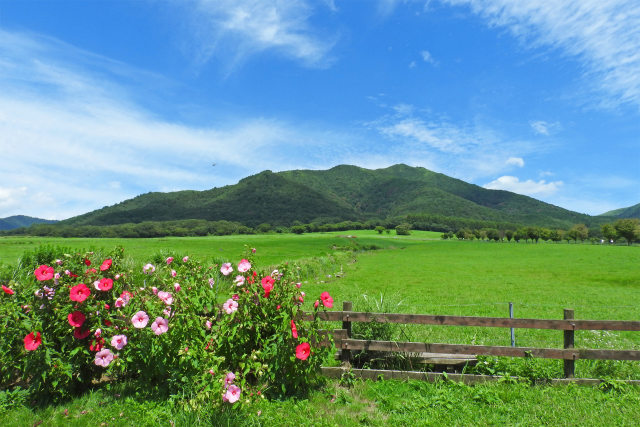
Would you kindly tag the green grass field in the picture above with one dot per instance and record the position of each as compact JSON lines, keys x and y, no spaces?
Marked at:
{"x":414,"y":274}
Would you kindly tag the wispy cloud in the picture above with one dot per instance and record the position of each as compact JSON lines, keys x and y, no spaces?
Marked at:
{"x":238,"y":29}
{"x":603,"y":34}
{"x":528,"y":187}
{"x":427,"y":57}
{"x":465,"y":150}
{"x":541,"y":127}
{"x":515,"y":161}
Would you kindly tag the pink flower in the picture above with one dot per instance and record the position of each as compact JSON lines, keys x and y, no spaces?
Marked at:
{"x":303,"y":350}
{"x":316,"y":304}
{"x":76,"y":319}
{"x":327,"y":301}
{"x":226,"y":268}
{"x":148,"y":269}
{"x":239,"y":281}
{"x":120,"y":303}
{"x":44,"y":272}
{"x":294,"y":330}
{"x":32,"y":342}
{"x":169,"y":260}
{"x":105,"y":284}
{"x":154,"y":290}
{"x":106,"y":264}
{"x":267,"y":285}
{"x":185,"y":259}
{"x":79,"y":292}
{"x":232,"y":395}
{"x":177,"y":287}
{"x":230,"y":306}
{"x":244,"y":266}
{"x":118,"y":341}
{"x":59,"y":261}
{"x":253,"y":250}
{"x":7,"y":290}
{"x":235,"y":297}
{"x":228,"y":379}
{"x":298,"y":285}
{"x":160,"y":326}
{"x":208,"y":324}
{"x":173,"y":273}
{"x":140,"y":319}
{"x":103,"y":358}
{"x":211,"y":282}
{"x":166,"y":297}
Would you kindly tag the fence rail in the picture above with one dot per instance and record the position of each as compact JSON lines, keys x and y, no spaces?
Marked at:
{"x":344,"y":341}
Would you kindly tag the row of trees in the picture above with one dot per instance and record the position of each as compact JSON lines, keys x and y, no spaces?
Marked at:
{"x":627,"y":229}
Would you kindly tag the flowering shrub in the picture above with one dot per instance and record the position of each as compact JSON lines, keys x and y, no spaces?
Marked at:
{"x":72,"y":319}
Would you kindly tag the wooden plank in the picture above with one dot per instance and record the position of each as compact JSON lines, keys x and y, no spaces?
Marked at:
{"x":545,"y":353}
{"x":495,"y":322}
{"x":371,"y":374}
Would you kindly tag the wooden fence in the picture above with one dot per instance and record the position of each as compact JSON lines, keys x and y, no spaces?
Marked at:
{"x":569,"y":354}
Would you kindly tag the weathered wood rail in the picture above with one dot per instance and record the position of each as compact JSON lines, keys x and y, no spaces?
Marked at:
{"x":344,"y":341}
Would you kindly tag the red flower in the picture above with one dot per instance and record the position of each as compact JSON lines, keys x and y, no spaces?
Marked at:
{"x":44,"y":272}
{"x":79,"y":293}
{"x":80,"y":333}
{"x":267,"y":285}
{"x":96,"y":344}
{"x":106,"y":264}
{"x":105,"y":284}
{"x":76,"y":319}
{"x":294,"y":330}
{"x":303,"y":350}
{"x":31,"y":341}
{"x":87,"y":262}
{"x":91,"y":271}
{"x":327,"y":301}
{"x":7,"y":290}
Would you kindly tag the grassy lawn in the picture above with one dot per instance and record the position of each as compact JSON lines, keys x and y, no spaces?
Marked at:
{"x":413,"y":274}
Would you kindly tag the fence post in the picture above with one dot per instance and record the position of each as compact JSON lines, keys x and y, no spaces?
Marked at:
{"x":513,"y":334}
{"x":346,"y":325}
{"x":569,"y":364}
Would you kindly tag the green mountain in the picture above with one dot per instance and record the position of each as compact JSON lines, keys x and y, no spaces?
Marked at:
{"x":630,"y":212}
{"x":338,"y":194}
{"x":17,"y":221}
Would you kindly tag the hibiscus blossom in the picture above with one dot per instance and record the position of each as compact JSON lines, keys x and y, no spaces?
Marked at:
{"x":226,"y":268}
{"x":106,"y":264}
{"x":239,"y":281}
{"x":267,"y":285}
{"x":118,"y":341}
{"x":169,"y":260}
{"x":7,"y":290}
{"x":148,"y":269}
{"x":140,"y":319}
{"x":97,"y":343}
{"x":160,"y":326}
{"x":76,"y":319}
{"x":327,"y":301}
{"x":44,"y":272}
{"x":244,"y":266}
{"x":230,"y":306}
{"x":103,"y":358}
{"x":303,"y":350}
{"x":104,"y":284}
{"x":232,"y":395}
{"x":228,"y":379}
{"x":79,"y":292}
{"x":166,"y":297}
{"x":294,"y":330}
{"x":31,"y":341}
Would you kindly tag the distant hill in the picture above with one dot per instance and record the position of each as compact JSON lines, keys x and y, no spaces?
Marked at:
{"x":630,"y":212}
{"x":17,"y":221}
{"x":338,"y":194}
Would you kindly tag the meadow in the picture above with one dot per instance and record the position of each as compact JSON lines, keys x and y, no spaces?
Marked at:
{"x":414,"y":274}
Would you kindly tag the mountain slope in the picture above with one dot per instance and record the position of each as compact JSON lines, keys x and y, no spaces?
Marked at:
{"x":17,"y":221}
{"x":630,"y":212}
{"x":337,"y":194}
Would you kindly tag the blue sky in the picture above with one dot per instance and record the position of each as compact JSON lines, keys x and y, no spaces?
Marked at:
{"x":103,"y":100}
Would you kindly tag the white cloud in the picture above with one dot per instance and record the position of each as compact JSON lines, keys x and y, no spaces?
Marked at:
{"x":240,"y":28}
{"x":426,"y":57}
{"x":541,"y":127}
{"x":603,"y":34}
{"x":515,"y":161}
{"x":528,"y":187}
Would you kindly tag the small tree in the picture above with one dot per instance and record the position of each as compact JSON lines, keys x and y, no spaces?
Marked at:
{"x":509,"y":235}
{"x":403,"y":229}
{"x":379,"y":229}
{"x":629,"y":228}
{"x":609,"y":232}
